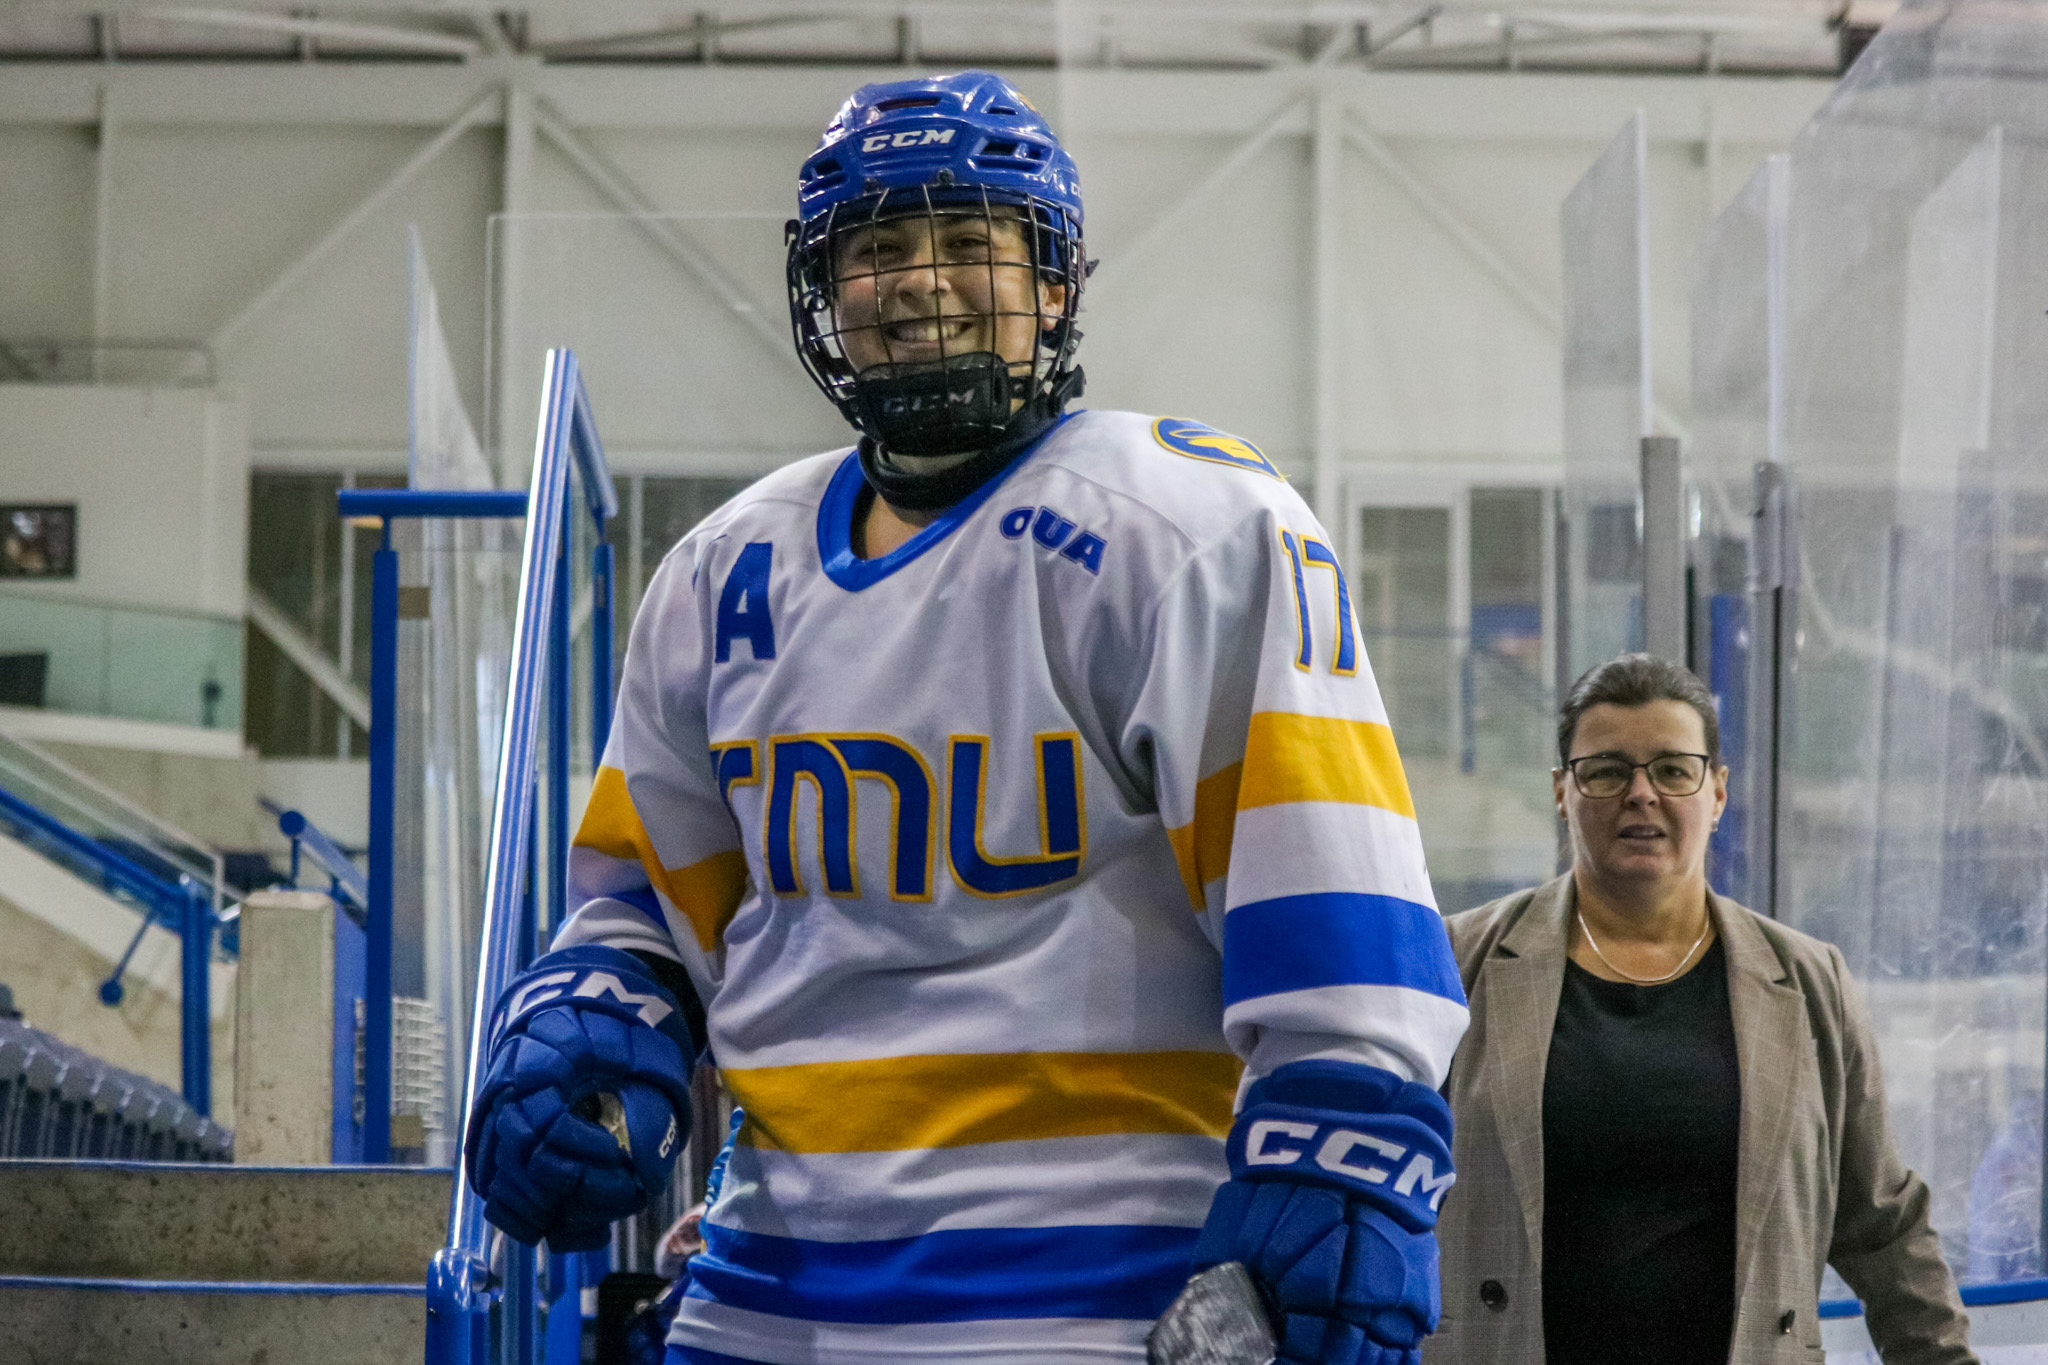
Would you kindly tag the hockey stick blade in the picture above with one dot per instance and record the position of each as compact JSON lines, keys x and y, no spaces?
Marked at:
{"x":1219,"y":1319}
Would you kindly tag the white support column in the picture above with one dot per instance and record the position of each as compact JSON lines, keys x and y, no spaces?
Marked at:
{"x":103,"y":225}
{"x":1327,"y":150}
{"x":510,"y":453}
{"x":369,"y":204}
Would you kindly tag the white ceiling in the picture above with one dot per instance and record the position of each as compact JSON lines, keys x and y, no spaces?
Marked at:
{"x":1802,"y":36}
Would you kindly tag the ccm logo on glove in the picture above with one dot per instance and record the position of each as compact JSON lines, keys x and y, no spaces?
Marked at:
{"x":1338,"y":1152}
{"x":652,"y":1009}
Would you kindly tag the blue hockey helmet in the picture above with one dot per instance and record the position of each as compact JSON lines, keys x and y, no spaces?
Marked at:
{"x":952,"y":137}
{"x":941,"y":146}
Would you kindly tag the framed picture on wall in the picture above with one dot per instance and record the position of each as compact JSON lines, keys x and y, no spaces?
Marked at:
{"x":39,"y":540}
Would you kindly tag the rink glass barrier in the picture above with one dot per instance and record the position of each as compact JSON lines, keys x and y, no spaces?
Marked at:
{"x":1605,"y":227}
{"x":454,"y":669}
{"x":1889,"y":380}
{"x":490,"y":1299}
{"x":1738,"y":341}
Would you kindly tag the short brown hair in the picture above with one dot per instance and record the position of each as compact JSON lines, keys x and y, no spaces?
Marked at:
{"x":1637,"y":680}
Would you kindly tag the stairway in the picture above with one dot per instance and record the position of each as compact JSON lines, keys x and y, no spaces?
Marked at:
{"x":216,"y":1264}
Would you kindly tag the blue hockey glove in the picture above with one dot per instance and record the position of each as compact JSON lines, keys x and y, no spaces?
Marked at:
{"x":1336,"y":1172}
{"x":585,"y":1100}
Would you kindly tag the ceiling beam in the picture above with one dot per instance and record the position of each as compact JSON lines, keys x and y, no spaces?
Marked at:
{"x":348,"y":222}
{"x":377,"y":35}
{"x":1400,"y":105}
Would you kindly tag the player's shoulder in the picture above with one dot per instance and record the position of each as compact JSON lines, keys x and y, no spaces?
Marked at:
{"x":780,"y":504}
{"x":1202,"y":481}
{"x":783,"y":496}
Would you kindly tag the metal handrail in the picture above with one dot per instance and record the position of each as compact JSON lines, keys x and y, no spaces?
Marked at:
{"x":184,"y":906}
{"x":460,"y":1283}
{"x":350,"y":885}
{"x":53,"y":777}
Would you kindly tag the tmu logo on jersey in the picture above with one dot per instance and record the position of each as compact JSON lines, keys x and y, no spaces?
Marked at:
{"x":828,"y":768}
{"x":916,"y":137}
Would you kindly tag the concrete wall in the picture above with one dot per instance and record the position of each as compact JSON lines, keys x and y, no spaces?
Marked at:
{"x":161,"y":479}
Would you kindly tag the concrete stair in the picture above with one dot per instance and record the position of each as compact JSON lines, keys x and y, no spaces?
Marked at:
{"x":216,"y":1264}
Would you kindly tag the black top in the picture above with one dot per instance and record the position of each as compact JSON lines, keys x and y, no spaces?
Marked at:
{"x":1642,"y":1107}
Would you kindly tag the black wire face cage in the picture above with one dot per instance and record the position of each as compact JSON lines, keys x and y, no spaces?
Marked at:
{"x":921,"y":297}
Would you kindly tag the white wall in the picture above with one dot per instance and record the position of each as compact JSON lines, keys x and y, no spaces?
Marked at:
{"x":261,"y":210}
{"x":161,"y":479}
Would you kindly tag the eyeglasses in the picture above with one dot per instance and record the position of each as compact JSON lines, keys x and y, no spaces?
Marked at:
{"x":1603,"y":777}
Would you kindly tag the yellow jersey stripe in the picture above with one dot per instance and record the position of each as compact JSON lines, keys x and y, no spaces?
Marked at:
{"x":958,"y":1100}
{"x":1290,"y":757}
{"x":1202,"y":846}
{"x":706,"y":893}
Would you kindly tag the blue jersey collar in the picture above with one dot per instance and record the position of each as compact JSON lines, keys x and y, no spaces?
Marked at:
{"x":842,"y":498}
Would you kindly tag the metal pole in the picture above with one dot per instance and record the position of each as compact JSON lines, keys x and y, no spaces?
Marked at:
{"x":345,"y":651}
{"x":519,"y":1321}
{"x":195,"y":932}
{"x":560,"y":653}
{"x":1769,"y":554}
{"x":1663,"y":492}
{"x":602,"y":625}
{"x":383,"y":791}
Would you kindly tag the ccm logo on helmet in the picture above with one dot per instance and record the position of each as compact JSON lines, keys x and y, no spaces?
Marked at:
{"x":589,"y":986}
{"x":916,"y":137}
{"x":1346,"y":1153}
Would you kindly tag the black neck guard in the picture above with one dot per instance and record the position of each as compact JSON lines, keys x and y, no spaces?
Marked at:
{"x":921,"y":491}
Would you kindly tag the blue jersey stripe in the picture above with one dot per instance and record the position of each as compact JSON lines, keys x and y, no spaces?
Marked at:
{"x":961,"y":1275}
{"x":1336,"y":938}
{"x":679,"y":1354}
{"x":641,"y":898}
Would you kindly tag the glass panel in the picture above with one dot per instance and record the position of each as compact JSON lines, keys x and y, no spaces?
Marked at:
{"x":454,"y":670}
{"x":179,"y":668}
{"x":300,"y":556}
{"x":1913,"y":827}
{"x":1401,"y":587}
{"x":1737,"y":358}
{"x":1606,"y":406}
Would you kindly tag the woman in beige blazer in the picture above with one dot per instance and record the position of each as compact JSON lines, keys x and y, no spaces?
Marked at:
{"x":1670,"y":1117}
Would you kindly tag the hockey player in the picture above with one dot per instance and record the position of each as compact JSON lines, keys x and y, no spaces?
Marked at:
{"x":1007,"y":805}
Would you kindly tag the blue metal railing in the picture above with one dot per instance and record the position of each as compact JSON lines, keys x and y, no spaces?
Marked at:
{"x":348,"y":885}
{"x":182,"y":906}
{"x":387,"y":505}
{"x":462,"y":1288}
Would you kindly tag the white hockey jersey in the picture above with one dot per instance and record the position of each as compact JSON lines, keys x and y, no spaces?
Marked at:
{"x":998,"y":861}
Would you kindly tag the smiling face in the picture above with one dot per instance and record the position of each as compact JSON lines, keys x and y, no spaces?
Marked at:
{"x":917,"y":290}
{"x":1643,"y":836}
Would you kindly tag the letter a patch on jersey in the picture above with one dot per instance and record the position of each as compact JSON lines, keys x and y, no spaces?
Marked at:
{"x":743,"y":604}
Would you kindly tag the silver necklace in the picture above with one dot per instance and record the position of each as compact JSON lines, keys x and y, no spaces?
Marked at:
{"x":1594,"y":944}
